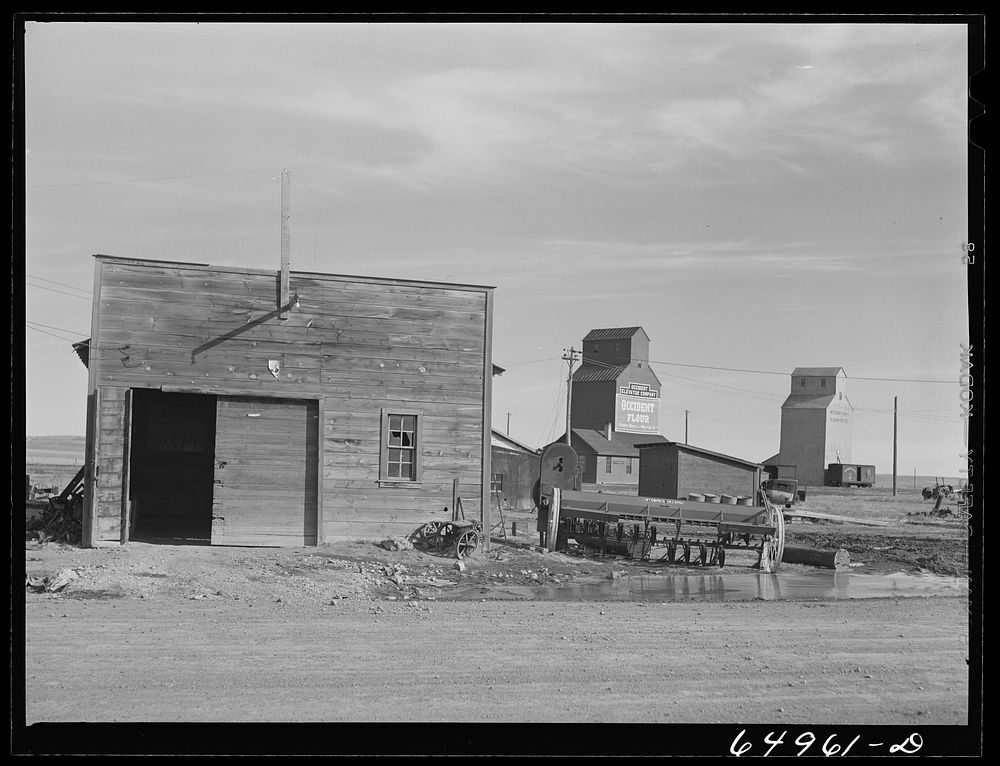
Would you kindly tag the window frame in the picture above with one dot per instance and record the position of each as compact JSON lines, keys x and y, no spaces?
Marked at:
{"x":384,"y":480}
{"x":607,"y":464}
{"x":496,"y":483}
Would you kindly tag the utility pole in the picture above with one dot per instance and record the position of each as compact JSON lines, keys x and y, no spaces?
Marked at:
{"x":570,"y":356}
{"x":286,"y":242}
{"x":685,"y":426}
{"x":508,"y":424}
{"x":894,"y":445}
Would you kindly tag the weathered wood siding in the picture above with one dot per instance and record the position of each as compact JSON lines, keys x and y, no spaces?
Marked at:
{"x":354,"y":345}
{"x":520,"y":471}
{"x":703,"y":473}
{"x":265,"y":472}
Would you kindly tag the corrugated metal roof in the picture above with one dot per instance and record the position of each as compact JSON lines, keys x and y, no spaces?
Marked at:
{"x":805,"y":402}
{"x":612,"y":333}
{"x":82,"y":349}
{"x":597,"y":372}
{"x":701,"y":451}
{"x":818,"y":371}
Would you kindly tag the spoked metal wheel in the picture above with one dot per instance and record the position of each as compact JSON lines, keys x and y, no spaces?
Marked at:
{"x":466,"y":544}
{"x":773,"y":547}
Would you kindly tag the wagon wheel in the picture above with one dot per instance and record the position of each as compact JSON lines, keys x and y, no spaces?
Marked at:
{"x":467,"y":544}
{"x":429,"y":530}
{"x":722,"y":557}
{"x":773,"y":548}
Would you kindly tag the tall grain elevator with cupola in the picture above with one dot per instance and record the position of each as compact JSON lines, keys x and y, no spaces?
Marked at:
{"x":817,"y":420}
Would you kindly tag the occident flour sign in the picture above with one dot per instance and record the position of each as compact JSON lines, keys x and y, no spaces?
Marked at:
{"x":637,"y":409}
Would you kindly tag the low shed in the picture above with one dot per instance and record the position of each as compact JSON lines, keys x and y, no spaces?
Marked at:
{"x":514,"y":471}
{"x":237,"y":406}
{"x":673,"y":470}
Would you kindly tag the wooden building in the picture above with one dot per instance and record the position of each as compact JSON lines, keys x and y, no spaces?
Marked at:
{"x":609,"y":458}
{"x":816,"y":424}
{"x":615,"y":405}
{"x":252,"y":407}
{"x":675,"y":470}
{"x":515,"y":469}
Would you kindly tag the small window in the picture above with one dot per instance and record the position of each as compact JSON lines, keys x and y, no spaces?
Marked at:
{"x":802,"y":382}
{"x":607,"y":465}
{"x":496,"y":482}
{"x":840,"y":395}
{"x":822,"y":382}
{"x":400,"y":453}
{"x":628,"y":465}
{"x":596,"y":347}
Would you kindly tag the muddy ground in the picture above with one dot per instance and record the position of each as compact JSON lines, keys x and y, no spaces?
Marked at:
{"x":352,"y":632}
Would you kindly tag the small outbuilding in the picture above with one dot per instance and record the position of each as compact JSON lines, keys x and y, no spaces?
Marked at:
{"x":515,"y":469}
{"x":674,"y":470}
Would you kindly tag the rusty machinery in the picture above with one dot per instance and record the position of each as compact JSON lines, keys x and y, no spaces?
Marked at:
{"x":682,"y":531}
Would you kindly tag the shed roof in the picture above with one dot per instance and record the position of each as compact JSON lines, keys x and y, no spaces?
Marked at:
{"x":498,"y":439}
{"x":807,"y":401}
{"x":597,"y":372}
{"x":82,"y":349}
{"x":701,"y":451}
{"x":613,"y":333}
{"x":818,"y":371}
{"x":620,"y":445}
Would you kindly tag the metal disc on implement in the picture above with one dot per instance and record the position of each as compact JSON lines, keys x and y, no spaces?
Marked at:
{"x":558,"y":467}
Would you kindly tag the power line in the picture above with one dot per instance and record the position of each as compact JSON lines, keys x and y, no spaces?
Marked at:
{"x":157,"y":178}
{"x":46,"y":332}
{"x":61,"y":284}
{"x":61,"y":292}
{"x":605,"y":365}
{"x":61,"y":329}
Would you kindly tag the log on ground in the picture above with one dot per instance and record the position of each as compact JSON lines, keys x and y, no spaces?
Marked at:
{"x":830,"y":559}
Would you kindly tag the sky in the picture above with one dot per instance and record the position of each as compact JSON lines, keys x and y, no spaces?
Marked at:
{"x":757,"y":197}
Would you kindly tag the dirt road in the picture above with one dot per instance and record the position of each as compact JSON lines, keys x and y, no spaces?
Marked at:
{"x":160,"y":633}
{"x":884,"y":661}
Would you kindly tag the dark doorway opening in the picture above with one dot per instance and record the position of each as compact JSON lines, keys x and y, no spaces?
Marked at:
{"x":171,"y":465}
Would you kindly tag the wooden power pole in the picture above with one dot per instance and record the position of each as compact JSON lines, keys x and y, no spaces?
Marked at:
{"x":685,"y":426}
{"x":894,"y":445}
{"x":570,"y":357}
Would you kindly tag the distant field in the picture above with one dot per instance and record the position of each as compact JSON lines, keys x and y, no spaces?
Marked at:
{"x":55,"y":450}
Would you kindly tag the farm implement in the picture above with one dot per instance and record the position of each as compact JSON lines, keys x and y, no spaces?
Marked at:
{"x":685,"y":532}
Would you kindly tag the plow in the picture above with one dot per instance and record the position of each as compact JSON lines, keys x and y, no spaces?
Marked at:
{"x":673,"y":531}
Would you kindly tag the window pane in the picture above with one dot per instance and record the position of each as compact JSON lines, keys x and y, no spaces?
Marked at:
{"x":407,"y":439}
{"x":395,"y":438}
{"x":393,"y":470}
{"x":409,"y":423}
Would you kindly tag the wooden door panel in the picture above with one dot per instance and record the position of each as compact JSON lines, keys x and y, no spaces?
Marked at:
{"x":265,"y":472}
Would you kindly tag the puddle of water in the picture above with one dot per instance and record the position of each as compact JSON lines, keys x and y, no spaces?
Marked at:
{"x":823,"y":586}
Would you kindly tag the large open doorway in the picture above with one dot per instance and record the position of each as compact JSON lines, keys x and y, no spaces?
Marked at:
{"x":171,"y":467}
